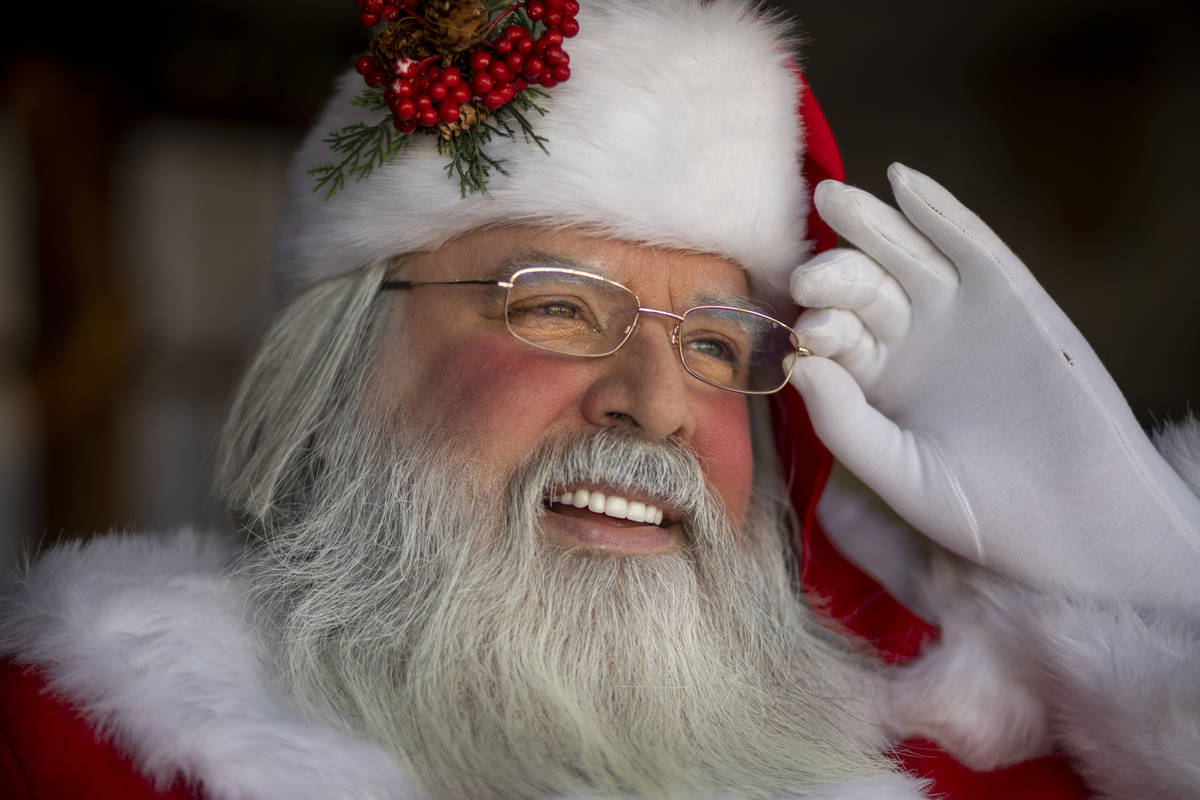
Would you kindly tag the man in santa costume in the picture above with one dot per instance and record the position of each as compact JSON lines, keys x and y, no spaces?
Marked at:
{"x":529,"y":475}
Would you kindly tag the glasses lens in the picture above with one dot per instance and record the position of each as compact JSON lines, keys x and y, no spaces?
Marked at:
{"x":735,"y":348}
{"x":569,"y":313}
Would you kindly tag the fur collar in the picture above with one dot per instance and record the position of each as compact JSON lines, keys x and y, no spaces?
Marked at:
{"x":148,"y":636}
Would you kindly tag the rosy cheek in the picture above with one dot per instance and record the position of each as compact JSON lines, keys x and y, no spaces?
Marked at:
{"x":722,"y":439}
{"x":499,"y":395}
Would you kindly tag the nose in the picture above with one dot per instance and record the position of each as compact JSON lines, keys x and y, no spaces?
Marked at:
{"x":643,"y":385}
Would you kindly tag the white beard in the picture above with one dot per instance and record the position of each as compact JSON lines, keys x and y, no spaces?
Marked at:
{"x":415,"y":600}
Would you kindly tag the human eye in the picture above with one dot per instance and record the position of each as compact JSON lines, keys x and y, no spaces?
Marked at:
{"x":550,"y":309}
{"x":716,"y":346}
{"x":561,"y":322}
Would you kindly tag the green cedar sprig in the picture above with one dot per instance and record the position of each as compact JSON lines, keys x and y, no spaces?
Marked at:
{"x":468,"y":161}
{"x":365,"y":147}
{"x":369,"y":146}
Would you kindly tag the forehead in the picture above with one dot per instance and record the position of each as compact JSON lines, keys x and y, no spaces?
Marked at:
{"x":648,"y":271}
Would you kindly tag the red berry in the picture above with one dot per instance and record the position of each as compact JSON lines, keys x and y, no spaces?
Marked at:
{"x":481,"y":82}
{"x":405,"y":109}
{"x":553,"y":19}
{"x":451,"y":76}
{"x":555,"y":55}
{"x":570,"y":8}
{"x":448,"y":111}
{"x":500,"y":71}
{"x":561,"y":72}
{"x":402,"y":87}
{"x":504,"y":46}
{"x":424,"y":103}
{"x":406,"y":68}
{"x":493,"y":100}
{"x":535,"y":9}
{"x":554,"y":38}
{"x":409,"y":5}
{"x":553,"y":5}
{"x":525,"y":45}
{"x":508,"y":92}
{"x":376,"y":79}
{"x":514,"y":62}
{"x":374,"y":6}
{"x":533,"y":67}
{"x":365,"y":64}
{"x":569,"y":27}
{"x":390,"y":13}
{"x":434,"y":74}
{"x":368,"y":19}
{"x":405,"y":125}
{"x":390,"y":97}
{"x":428,"y":118}
{"x":547,"y":78}
{"x":461,"y":93}
{"x":521,"y":84}
{"x":515,"y":32}
{"x":480,"y":60}
{"x":437,"y":91}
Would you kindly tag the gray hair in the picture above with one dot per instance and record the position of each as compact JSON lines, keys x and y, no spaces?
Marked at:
{"x":313,"y":357}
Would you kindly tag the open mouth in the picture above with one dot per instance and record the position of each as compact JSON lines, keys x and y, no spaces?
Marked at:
{"x":613,"y":504}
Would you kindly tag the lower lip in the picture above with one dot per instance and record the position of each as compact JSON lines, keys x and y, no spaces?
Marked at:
{"x":598,"y":532}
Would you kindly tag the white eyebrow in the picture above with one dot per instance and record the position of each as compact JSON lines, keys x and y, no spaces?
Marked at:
{"x":544,"y":258}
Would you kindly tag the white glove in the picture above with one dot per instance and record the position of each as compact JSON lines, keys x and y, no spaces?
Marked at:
{"x":948,"y":380}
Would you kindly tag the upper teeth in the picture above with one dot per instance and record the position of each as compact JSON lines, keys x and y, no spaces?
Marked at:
{"x":612,"y":506}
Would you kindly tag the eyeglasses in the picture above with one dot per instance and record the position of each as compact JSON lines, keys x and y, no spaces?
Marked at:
{"x":576,"y":313}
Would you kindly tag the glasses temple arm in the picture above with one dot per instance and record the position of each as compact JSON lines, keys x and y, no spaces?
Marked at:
{"x":414,"y":284}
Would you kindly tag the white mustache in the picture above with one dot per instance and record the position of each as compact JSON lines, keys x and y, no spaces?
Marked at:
{"x":666,"y":470}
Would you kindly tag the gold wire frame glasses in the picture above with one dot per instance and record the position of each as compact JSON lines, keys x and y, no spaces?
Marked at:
{"x":576,"y":313}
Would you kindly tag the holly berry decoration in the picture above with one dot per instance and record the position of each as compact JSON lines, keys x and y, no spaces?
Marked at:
{"x":461,"y":69}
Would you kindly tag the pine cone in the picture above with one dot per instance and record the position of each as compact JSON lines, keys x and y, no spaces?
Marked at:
{"x":402,"y":38}
{"x":470,"y":114}
{"x":452,"y":26}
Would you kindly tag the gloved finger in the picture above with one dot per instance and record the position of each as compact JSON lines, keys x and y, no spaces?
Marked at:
{"x":849,"y":279}
{"x":907,"y":470}
{"x":956,"y":230}
{"x":839,"y":334}
{"x":883,"y":233}
{"x":841,"y":416}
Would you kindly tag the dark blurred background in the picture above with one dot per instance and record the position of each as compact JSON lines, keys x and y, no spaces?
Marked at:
{"x":142,"y":148}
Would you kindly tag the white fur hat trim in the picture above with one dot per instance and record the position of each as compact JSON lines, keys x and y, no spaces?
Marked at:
{"x":677,"y":128}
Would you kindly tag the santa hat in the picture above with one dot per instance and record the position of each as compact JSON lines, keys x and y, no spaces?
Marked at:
{"x":678,"y":127}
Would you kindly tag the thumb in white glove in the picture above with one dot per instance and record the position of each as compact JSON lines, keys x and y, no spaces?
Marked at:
{"x":952,"y":384}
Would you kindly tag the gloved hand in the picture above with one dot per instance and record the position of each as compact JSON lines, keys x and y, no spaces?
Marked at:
{"x":948,"y":380}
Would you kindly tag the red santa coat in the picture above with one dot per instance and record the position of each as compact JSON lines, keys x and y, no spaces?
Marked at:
{"x":53,"y":748}
{"x":49,"y":749}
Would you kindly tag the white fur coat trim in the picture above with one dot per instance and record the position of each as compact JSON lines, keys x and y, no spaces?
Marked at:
{"x":147,"y":636}
{"x":638,"y":145}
